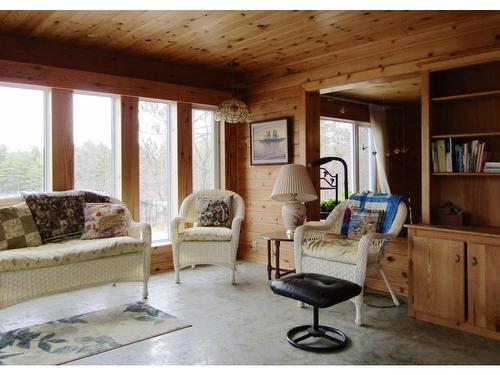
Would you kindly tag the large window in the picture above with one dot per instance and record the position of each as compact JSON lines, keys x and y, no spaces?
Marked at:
{"x":155,"y":167}
{"x":352,"y":142}
{"x":205,"y":151}
{"x":23,"y":118}
{"x":94,"y":139}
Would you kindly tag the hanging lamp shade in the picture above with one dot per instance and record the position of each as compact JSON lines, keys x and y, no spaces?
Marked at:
{"x":233,"y":111}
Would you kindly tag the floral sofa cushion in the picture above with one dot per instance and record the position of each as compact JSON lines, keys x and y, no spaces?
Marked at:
{"x":17,"y":228}
{"x":210,"y":234}
{"x":59,"y":215}
{"x":104,"y":220}
{"x":66,"y":252}
{"x":214,"y":211}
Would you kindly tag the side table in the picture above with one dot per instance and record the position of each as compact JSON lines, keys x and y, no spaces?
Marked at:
{"x":277,"y":237}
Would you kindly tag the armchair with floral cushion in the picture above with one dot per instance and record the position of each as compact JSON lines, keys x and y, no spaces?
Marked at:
{"x":207,"y":230}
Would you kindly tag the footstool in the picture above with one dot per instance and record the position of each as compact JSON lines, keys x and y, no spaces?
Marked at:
{"x":319,"y":291}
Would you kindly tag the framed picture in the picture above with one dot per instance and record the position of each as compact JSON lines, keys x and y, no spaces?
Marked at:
{"x":270,"y":142}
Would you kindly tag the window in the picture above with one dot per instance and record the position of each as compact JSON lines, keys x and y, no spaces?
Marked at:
{"x":205,"y":151}
{"x":352,"y":142}
{"x":23,"y":160}
{"x":94,"y":139}
{"x":155,"y":167}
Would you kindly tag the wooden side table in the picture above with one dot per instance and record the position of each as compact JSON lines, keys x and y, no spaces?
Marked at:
{"x":277,"y":237}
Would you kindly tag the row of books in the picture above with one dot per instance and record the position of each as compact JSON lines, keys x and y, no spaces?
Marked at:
{"x":449,"y":155}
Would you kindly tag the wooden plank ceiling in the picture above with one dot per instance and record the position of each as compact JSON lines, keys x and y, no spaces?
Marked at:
{"x":266,"y":43}
{"x":389,"y":91}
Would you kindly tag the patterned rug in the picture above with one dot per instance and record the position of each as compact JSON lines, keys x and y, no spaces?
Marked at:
{"x":66,"y":340}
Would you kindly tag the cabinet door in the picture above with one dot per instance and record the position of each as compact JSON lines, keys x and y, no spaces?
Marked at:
{"x":483,"y":265}
{"x":439,"y":277}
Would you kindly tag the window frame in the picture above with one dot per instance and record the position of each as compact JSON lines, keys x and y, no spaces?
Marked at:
{"x":46,"y":131}
{"x":354,"y":173}
{"x":115,"y":139}
{"x":215,"y":142}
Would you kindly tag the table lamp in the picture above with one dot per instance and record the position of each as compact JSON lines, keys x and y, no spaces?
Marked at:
{"x":293,"y":186}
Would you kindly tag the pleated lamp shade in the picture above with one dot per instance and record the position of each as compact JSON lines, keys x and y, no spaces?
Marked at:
{"x":293,"y":183}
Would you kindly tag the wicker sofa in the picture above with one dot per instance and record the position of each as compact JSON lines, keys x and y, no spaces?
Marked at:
{"x":70,"y":264}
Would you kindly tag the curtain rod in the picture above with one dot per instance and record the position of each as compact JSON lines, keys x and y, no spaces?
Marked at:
{"x":345,"y":99}
{"x":358,"y":101}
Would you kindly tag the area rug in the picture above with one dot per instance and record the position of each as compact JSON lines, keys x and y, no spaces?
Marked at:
{"x":66,"y":340}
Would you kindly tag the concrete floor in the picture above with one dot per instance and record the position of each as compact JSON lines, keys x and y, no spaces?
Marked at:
{"x":246,"y":324}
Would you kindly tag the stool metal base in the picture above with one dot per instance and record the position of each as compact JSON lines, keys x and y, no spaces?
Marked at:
{"x":317,"y":331}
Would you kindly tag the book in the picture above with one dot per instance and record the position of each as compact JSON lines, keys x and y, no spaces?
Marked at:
{"x":457,"y":159}
{"x":441,"y":151}
{"x":435,"y":164}
{"x":449,"y":155}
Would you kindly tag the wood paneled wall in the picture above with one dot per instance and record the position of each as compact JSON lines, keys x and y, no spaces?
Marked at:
{"x":255,"y":183}
{"x":405,"y":170}
{"x":228,"y":156}
{"x":343,"y":109}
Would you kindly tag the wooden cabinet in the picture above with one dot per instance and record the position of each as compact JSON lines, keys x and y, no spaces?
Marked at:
{"x":454,"y":277}
{"x":483,"y":271}
{"x":439,"y":270}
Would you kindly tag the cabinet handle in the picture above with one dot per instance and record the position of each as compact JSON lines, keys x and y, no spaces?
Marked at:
{"x":474,"y":261}
{"x":457,"y":258}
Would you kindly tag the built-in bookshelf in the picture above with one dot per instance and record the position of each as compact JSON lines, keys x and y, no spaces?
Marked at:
{"x":462,"y":105}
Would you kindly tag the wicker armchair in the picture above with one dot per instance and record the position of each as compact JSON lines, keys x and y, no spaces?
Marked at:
{"x":350,"y":260}
{"x":206,"y":245}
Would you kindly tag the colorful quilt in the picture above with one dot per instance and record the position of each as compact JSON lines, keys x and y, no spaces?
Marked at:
{"x":373,"y":201}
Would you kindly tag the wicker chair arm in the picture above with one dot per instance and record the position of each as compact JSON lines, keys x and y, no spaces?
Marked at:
{"x":177,"y":226}
{"x":141,"y":231}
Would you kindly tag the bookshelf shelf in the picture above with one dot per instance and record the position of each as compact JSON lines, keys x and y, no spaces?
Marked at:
{"x":467,"y":135}
{"x":455,"y":174}
{"x":451,"y":122}
{"x":474,"y":95}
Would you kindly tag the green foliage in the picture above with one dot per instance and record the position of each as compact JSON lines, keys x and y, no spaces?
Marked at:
{"x":328,"y":205}
{"x":20,"y":170}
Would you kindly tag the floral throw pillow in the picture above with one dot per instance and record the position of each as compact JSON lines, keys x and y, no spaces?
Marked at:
{"x":17,"y":228}
{"x":57,"y":215}
{"x":214,"y":211}
{"x":103,"y":220}
{"x":363,"y":221}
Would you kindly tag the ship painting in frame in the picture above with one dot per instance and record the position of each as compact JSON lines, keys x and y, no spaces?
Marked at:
{"x":270,"y":142}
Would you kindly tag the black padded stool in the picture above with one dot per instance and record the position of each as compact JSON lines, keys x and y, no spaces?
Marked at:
{"x":320,"y":291}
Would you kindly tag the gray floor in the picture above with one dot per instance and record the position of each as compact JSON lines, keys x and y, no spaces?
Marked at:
{"x":246,"y":324}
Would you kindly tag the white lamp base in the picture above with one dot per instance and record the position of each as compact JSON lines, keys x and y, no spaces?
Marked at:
{"x":294,"y":215}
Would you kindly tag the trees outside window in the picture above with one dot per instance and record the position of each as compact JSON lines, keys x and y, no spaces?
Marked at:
{"x":94,"y":141}
{"x":204,"y":149}
{"x":155,"y":167}
{"x":23,"y":162}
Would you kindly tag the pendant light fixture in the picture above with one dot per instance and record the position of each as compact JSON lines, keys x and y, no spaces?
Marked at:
{"x":233,"y":110}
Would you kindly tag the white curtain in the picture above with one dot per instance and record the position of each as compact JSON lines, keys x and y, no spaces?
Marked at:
{"x":380,"y":134}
